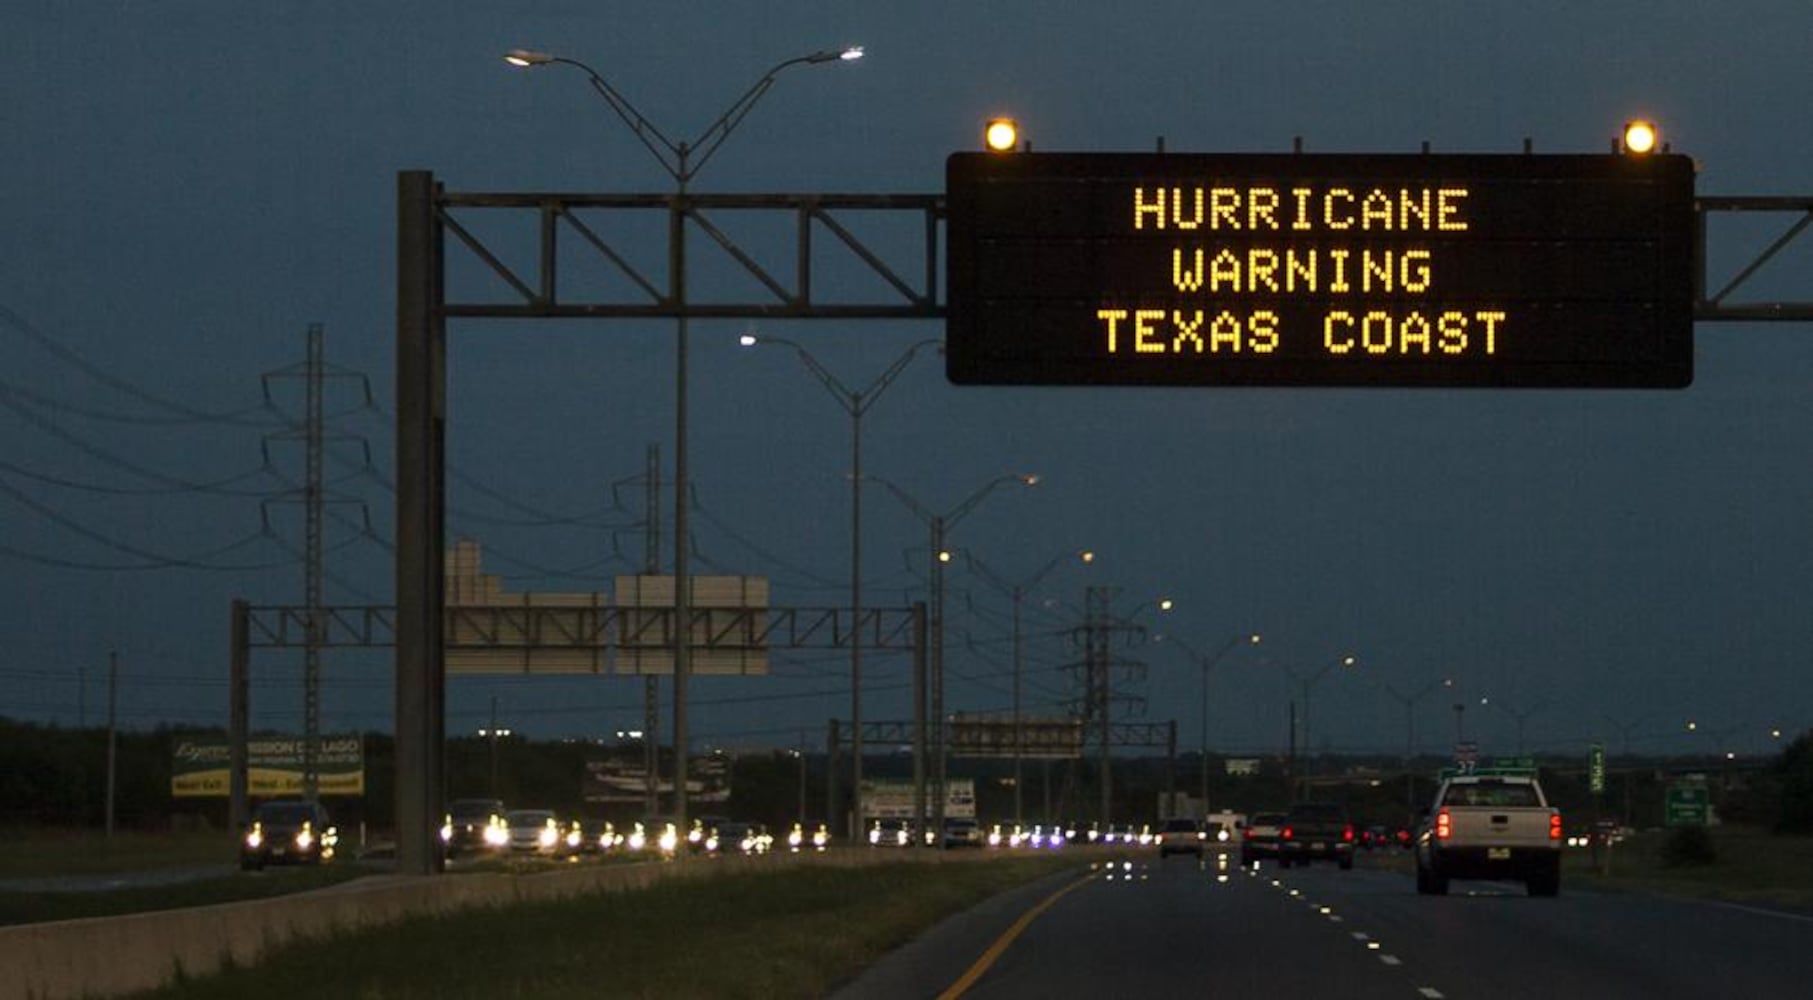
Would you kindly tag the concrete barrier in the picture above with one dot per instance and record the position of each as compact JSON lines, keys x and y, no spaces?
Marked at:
{"x":108,"y":956}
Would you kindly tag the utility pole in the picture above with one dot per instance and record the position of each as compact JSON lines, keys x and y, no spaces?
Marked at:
{"x":651,"y":685}
{"x":493,"y":735}
{"x":113,"y":686}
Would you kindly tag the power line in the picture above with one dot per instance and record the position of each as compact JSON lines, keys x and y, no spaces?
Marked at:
{"x":187,"y":413}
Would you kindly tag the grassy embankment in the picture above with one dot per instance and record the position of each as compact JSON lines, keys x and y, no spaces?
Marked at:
{"x":1751,"y":866}
{"x":786,"y":933}
{"x":83,"y":853}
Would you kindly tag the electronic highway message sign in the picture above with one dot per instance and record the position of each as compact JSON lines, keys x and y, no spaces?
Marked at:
{"x":1320,"y":270}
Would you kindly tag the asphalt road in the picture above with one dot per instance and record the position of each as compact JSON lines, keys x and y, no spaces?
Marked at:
{"x":1175,"y":927}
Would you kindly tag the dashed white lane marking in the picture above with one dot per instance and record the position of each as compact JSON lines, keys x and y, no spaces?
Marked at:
{"x":1391,"y":960}
{"x":1361,"y":936}
{"x":1431,"y":992}
{"x":1761,"y":912}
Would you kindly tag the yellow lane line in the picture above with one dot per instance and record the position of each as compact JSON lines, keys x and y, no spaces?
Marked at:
{"x":1006,"y":940}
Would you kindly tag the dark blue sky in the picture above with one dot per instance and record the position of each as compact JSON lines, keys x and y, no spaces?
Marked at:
{"x":185,"y":186}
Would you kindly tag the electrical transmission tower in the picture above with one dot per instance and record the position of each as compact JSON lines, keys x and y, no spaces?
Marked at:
{"x":313,"y":495}
{"x":1098,"y":702}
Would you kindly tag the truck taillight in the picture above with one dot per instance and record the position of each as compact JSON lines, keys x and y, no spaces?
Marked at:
{"x":1285,"y":834}
{"x":1347,"y":833}
{"x":1444,"y":825}
{"x":1554,"y":826}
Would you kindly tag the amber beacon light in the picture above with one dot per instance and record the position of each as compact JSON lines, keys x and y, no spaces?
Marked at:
{"x":1639,"y":137}
{"x":1001,"y":135}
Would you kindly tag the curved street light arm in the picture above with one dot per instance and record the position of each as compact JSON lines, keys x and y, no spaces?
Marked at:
{"x":957,"y":513}
{"x":671,"y":155}
{"x":904,"y":497}
{"x":866,"y":398}
{"x":714,"y":135}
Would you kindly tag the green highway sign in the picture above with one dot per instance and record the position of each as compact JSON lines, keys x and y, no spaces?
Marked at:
{"x":1687,"y":805}
{"x":1595,"y":769}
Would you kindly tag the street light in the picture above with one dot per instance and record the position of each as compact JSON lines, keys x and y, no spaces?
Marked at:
{"x":1305,"y":682}
{"x":682,"y":161}
{"x":1409,"y":702}
{"x":1017,"y":591}
{"x":855,"y":403}
{"x":1521,"y":716}
{"x":939,"y":525}
{"x":1208,"y":663}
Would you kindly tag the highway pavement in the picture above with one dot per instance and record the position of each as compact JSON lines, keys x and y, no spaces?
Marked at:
{"x":1137,"y":925}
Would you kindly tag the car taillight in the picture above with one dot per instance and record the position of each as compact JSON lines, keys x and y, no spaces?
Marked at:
{"x":1555,"y":826}
{"x":1444,"y":825}
{"x":1347,"y":833}
{"x":1284,"y":834}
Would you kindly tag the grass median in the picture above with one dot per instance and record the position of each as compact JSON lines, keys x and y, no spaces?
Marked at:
{"x":43,"y":906}
{"x":792,"y":932}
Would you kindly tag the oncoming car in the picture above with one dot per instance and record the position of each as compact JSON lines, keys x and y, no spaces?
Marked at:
{"x":539,"y":831}
{"x":288,"y":832}
{"x":474,"y":825}
{"x":891,"y":833}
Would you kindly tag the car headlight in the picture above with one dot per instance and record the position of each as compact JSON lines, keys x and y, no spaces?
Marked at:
{"x":874,"y":836}
{"x":547,"y":837}
{"x":255,"y":837}
{"x":670,"y":839}
{"x":305,"y":838}
{"x":638,"y":839}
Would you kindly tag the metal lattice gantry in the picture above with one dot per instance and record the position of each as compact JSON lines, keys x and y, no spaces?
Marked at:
{"x":519,"y":628}
{"x":551,"y":255}
{"x":1719,"y":307}
{"x":571,"y":255}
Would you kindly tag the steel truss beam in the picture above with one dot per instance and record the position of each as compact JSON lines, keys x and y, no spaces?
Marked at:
{"x":1121,"y":734}
{"x":593,"y":226}
{"x":500,"y":627}
{"x":1716,"y":308}
{"x":472,"y":628}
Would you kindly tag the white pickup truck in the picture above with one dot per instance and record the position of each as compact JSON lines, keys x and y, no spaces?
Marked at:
{"x":1490,"y":825}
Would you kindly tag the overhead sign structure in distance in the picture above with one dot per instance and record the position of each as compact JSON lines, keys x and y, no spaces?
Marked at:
{"x":1416,"y":270}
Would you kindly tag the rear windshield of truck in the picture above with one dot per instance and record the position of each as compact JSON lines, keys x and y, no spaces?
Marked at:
{"x":1492,"y":794}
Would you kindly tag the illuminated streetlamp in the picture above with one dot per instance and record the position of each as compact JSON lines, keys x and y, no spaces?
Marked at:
{"x":855,"y":403}
{"x":1306,"y":681}
{"x":1017,"y":592}
{"x":1520,"y":716}
{"x":1409,"y":702}
{"x":939,"y":525}
{"x":1208,"y":663}
{"x":682,"y":161}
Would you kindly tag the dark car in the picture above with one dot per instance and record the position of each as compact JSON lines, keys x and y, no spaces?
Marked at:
{"x":1181,"y":836}
{"x":1316,"y":831}
{"x":288,"y":832}
{"x":474,"y":825}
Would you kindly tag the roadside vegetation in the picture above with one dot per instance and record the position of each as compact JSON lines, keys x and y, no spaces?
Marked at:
{"x":35,"y":853}
{"x":787,"y":933}
{"x":39,"y":907}
{"x":1745,"y":865}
